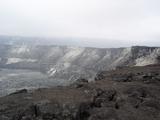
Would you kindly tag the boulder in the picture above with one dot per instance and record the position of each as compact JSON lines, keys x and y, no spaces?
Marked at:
{"x":80,"y":83}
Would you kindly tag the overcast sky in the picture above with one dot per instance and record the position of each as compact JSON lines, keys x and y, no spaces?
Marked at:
{"x":127,"y":22}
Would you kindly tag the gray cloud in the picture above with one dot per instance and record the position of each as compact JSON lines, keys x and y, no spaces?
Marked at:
{"x":128,"y":22}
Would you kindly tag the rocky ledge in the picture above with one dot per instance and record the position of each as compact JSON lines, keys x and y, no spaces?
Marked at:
{"x":130,"y":93}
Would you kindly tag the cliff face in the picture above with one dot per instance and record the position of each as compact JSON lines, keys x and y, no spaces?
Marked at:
{"x":73,"y":62}
{"x":145,"y":55}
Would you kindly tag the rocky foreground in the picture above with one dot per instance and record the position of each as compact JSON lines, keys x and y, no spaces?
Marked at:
{"x":130,"y":93}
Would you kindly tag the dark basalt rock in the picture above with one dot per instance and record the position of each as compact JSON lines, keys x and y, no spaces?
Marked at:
{"x":80,"y":83}
{"x":103,"y":114}
{"x":20,"y":91}
{"x":122,"y":78}
{"x":105,"y":99}
{"x":100,"y":76}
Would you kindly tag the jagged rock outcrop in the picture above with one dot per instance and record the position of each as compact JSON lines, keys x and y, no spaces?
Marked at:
{"x":104,"y":99}
{"x":80,"y":83}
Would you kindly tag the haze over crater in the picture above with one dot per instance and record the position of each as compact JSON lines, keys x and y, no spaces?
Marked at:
{"x":113,"y":23}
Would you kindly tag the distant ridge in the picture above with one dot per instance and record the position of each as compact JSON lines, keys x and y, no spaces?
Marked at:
{"x":70,"y":63}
